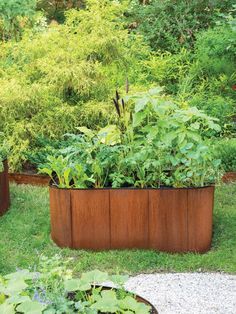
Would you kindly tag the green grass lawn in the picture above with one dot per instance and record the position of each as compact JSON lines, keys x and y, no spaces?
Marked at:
{"x":25,"y":234}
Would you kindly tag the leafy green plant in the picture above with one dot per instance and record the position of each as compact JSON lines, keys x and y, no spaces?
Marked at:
{"x":67,"y":175}
{"x":177,"y":134}
{"x":52,"y":289}
{"x":222,"y":108}
{"x":154,"y":142}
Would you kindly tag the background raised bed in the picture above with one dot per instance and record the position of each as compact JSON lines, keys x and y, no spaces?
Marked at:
{"x":4,"y":189}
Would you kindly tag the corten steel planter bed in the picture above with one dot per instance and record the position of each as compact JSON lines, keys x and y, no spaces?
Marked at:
{"x":166,"y":219}
{"x":4,"y":189}
{"x":229,"y":177}
{"x":28,"y":178}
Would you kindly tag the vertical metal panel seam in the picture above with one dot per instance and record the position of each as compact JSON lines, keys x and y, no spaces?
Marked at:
{"x":187,"y":220}
{"x":109,"y":196}
{"x":71,"y":221}
{"x":148,"y":244}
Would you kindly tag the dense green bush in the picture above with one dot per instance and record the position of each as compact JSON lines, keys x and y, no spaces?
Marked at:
{"x":168,"y":69}
{"x":225,"y":150}
{"x":223,"y":108}
{"x":210,"y":82}
{"x":171,"y":25}
{"x":215,"y":51}
{"x":55,"y":9}
{"x":63,"y":77}
{"x":14,"y":16}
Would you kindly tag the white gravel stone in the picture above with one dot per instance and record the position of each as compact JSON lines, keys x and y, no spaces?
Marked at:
{"x":187,"y":293}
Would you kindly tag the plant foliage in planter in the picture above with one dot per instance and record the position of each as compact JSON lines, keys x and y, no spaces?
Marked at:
{"x":153,"y":143}
{"x":52,"y":290}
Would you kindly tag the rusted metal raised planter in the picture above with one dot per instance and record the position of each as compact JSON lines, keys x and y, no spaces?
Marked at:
{"x":168,"y":219}
{"x":29,"y":178}
{"x":229,"y":177}
{"x":4,"y":190}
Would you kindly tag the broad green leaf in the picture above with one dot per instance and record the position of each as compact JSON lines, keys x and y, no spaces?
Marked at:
{"x":7,"y":308}
{"x":141,"y":103}
{"x":21,"y":274}
{"x":169,"y":137}
{"x":77,"y":285}
{"x":17,"y":299}
{"x":31,"y":307}
{"x":119,"y":279}
{"x":107,"y":303}
{"x":156,"y":90}
{"x":129,"y":303}
{"x":49,"y":311}
{"x":67,"y":178}
{"x":214,"y":126}
{"x":193,"y":155}
{"x":109,"y":135}
{"x":89,"y":133}
{"x":138,"y":118}
{"x":95,"y":276}
{"x":15,"y":286}
{"x":195,"y":125}
{"x":46,"y":171}
{"x":181,"y":137}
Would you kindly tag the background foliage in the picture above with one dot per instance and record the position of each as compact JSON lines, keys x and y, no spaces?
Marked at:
{"x":61,"y":62}
{"x":170,"y":25}
{"x":53,"y":83}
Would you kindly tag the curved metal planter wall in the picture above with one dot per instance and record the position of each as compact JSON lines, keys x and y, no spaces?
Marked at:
{"x":171,"y":220}
{"x":4,"y":189}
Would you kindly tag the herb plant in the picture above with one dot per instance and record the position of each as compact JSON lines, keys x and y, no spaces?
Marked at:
{"x":51,"y":289}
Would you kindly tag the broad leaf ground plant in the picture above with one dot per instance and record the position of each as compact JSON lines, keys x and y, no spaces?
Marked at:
{"x":51,"y":289}
{"x":153,"y":143}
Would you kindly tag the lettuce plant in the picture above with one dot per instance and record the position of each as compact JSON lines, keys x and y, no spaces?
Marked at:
{"x":51,"y":289}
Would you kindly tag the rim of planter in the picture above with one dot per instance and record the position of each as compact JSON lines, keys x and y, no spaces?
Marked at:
{"x":52,"y":186}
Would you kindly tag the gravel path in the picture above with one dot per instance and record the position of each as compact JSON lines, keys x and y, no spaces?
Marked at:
{"x":187,"y":293}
